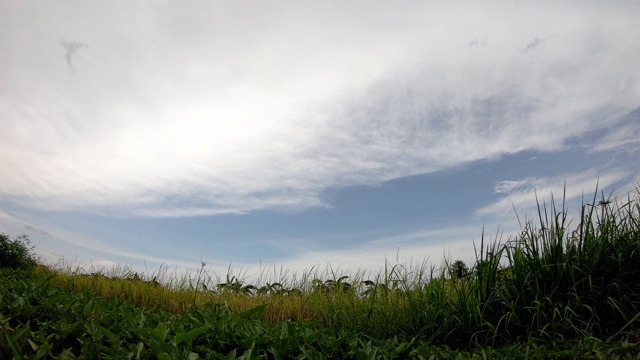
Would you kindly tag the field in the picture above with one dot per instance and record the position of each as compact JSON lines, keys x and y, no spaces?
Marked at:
{"x":563,"y":288}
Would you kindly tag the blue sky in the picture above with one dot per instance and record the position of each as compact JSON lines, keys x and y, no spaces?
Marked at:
{"x":304,"y":134}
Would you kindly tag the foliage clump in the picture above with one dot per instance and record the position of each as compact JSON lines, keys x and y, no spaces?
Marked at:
{"x":459,"y":270}
{"x":16,"y":253}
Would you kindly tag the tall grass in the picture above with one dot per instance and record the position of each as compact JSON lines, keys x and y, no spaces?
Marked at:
{"x":578,"y":283}
{"x":557,"y":279}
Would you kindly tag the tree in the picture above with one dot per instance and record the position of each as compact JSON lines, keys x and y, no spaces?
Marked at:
{"x":16,"y":253}
{"x":459,"y":270}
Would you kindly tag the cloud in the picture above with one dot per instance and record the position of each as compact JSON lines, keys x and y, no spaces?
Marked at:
{"x":523,"y":194}
{"x":103,"y":264}
{"x":38,"y":230}
{"x":71,"y":48}
{"x":57,"y":239}
{"x":202,"y":117}
{"x":478,"y":43}
{"x":537,"y":42}
{"x":624,"y":137}
{"x":371,"y":259}
{"x":507,"y":186}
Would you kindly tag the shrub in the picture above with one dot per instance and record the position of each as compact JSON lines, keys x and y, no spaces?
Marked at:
{"x":458,"y":270}
{"x":16,"y":253}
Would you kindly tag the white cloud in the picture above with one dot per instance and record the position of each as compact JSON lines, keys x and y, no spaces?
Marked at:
{"x":182,"y":111}
{"x":50,"y":241}
{"x":509,"y":185}
{"x":521,"y":195}
{"x":433,"y":247}
{"x":624,"y":137}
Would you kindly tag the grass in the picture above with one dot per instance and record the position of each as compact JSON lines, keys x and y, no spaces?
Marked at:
{"x":557,"y":290}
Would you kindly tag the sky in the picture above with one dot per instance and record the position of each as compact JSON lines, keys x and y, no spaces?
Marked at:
{"x":307,"y":135}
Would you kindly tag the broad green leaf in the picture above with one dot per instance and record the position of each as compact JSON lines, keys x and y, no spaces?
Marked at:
{"x":254,"y":313}
{"x":232,"y":355}
{"x":160,"y":332}
{"x":113,"y":338}
{"x":188,"y":337}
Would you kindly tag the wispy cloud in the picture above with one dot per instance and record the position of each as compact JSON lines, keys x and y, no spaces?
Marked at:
{"x":70,"y":49}
{"x":507,"y":186}
{"x":372,"y":258}
{"x":522,"y":195}
{"x":208,"y":117}
{"x":51,"y":239}
{"x":38,"y":230}
{"x":624,"y":137}
{"x":535,"y":43}
{"x":478,"y":43}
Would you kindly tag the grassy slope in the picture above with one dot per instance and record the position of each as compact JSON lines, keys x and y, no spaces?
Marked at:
{"x":549,"y":292}
{"x":42,"y":321}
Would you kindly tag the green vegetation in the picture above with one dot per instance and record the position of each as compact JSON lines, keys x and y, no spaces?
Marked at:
{"x":557,"y":290}
{"x":16,"y":253}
